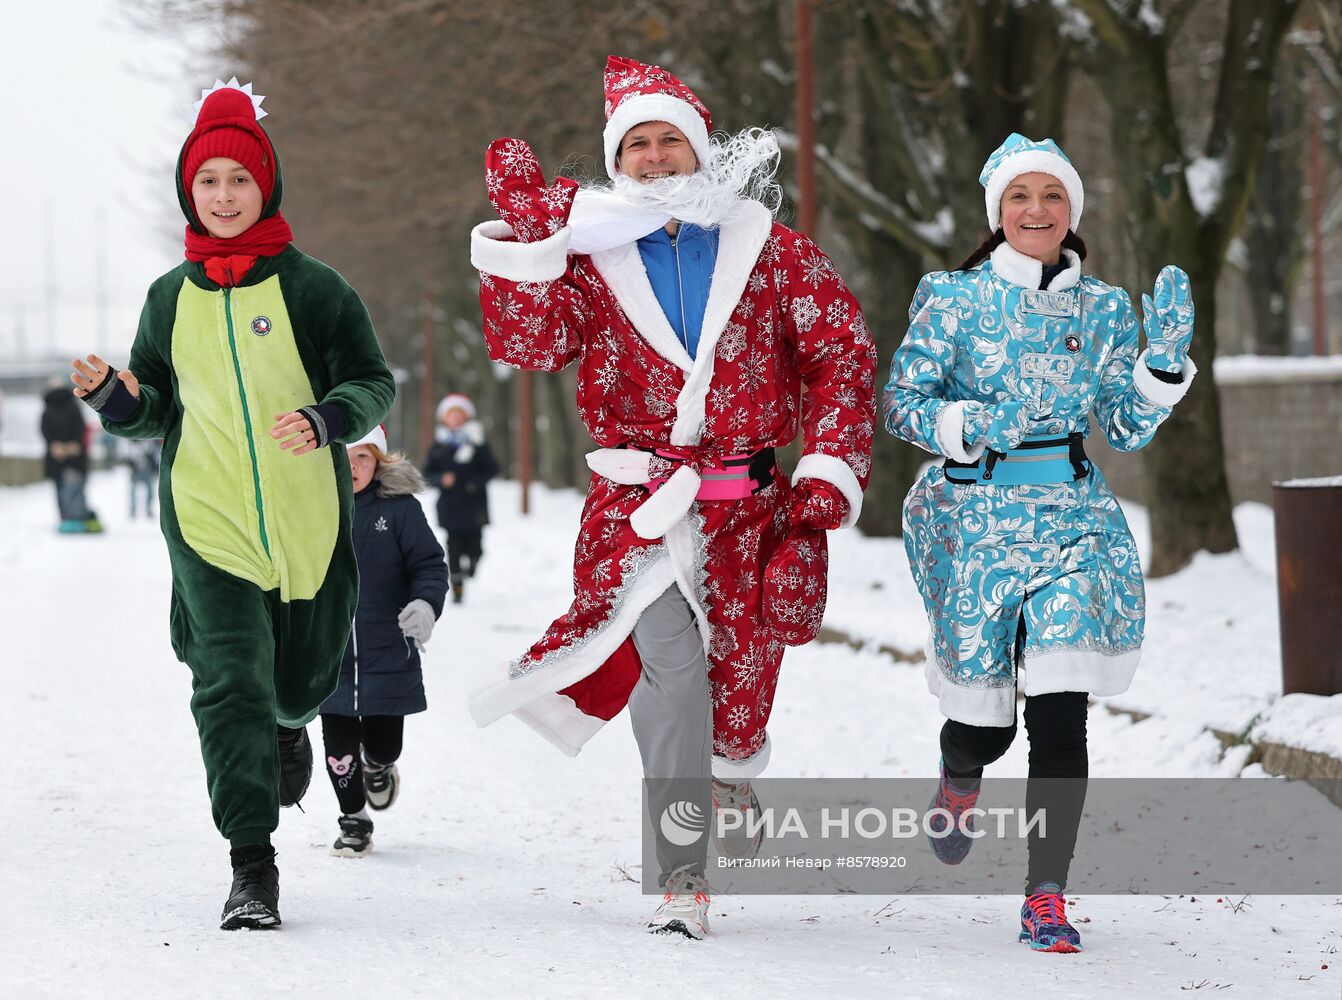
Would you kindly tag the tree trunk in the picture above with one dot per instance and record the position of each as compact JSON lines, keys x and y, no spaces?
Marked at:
{"x":1184,"y":467}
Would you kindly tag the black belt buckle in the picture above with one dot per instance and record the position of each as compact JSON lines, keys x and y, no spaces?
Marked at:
{"x":761,"y":468}
{"x":1076,"y":454}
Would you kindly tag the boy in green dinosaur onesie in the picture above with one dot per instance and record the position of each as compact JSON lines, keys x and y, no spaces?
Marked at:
{"x":254,"y":363}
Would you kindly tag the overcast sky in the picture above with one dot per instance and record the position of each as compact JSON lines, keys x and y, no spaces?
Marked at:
{"x":102,"y":108}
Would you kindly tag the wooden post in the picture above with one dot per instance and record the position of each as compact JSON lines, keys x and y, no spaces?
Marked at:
{"x":427,"y":398}
{"x":806,"y":207}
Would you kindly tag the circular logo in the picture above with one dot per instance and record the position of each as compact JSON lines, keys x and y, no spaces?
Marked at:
{"x":683,"y":823}
{"x":1073,"y":343}
{"x":261,"y":326}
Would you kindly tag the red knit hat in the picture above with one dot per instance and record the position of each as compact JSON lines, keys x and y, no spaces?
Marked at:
{"x":638,"y":93}
{"x":227,"y":125}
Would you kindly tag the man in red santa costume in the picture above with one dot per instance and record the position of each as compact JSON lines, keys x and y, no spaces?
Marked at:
{"x":705,"y":334}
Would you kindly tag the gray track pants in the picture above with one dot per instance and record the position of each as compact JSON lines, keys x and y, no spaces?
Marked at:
{"x":671,"y":713}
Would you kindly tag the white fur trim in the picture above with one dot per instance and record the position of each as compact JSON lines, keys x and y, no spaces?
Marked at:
{"x":621,"y":268}
{"x":1029,"y":161}
{"x":837,"y":473}
{"x":1099,"y":674}
{"x":687,"y":552}
{"x":496,"y":694}
{"x":560,"y":721}
{"x":458,"y":400}
{"x":377,"y":437}
{"x":654,"y":516}
{"x":601,"y":220}
{"x":1026,"y":271}
{"x":654,"y":108}
{"x":974,"y":706}
{"x":950,"y":433}
{"x":1156,"y":391}
{"x":626,"y":466}
{"x":742,"y":237}
{"x":542,"y":261}
{"x":742,"y":770}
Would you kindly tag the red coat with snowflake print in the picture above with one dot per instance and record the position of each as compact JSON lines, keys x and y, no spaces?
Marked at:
{"x":783,"y":346}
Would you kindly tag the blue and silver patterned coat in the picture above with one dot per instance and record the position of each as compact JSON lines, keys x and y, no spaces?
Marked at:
{"x":1041,"y":577}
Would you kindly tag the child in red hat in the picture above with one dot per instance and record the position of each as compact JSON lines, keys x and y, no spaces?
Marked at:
{"x":255,"y":364}
{"x":461,"y":464}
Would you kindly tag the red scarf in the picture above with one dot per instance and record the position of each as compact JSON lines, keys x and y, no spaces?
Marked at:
{"x":227,"y":260}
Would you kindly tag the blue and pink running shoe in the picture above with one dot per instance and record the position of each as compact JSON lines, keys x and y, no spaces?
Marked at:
{"x":949,"y":843}
{"x":1043,"y":921}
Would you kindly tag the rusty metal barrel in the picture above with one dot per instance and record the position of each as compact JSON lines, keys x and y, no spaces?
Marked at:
{"x":1308,"y":517}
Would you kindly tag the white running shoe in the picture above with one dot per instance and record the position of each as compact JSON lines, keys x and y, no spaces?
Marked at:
{"x":381,"y":785}
{"x":737,"y":842}
{"x":684,"y":908}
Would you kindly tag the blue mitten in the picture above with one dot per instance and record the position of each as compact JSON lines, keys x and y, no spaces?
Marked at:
{"x":1000,"y":428}
{"x":1168,"y":320}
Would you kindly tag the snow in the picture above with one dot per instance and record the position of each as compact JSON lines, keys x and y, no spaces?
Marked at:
{"x":1315,"y":483}
{"x":1239,"y":369}
{"x":1205,"y":175}
{"x":1306,"y":721}
{"x":1150,"y":18}
{"x":501,"y":871}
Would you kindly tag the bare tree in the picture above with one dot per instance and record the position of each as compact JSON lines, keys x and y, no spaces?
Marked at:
{"x":1186,"y":194}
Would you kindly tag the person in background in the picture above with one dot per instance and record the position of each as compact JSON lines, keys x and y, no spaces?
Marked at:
{"x":141,"y":457}
{"x":66,"y":461}
{"x":461,"y":463}
{"x":402,"y":587}
{"x":1025,"y":563}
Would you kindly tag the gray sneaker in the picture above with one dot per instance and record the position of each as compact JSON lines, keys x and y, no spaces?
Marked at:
{"x":381,"y":785}
{"x":356,"y":837}
{"x":684,"y":908}
{"x":739,"y":841}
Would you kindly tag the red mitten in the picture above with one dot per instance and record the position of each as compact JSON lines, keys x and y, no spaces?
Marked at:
{"x":795,"y":586}
{"x":818,"y":504}
{"x":518,"y":193}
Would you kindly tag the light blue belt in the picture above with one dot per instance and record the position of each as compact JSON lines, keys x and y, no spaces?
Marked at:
{"x":1037,"y":462}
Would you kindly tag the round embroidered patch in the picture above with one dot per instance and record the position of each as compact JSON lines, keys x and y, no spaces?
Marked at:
{"x":261,"y":326}
{"x":1073,"y":342}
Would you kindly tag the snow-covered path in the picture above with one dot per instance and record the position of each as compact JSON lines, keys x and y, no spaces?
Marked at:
{"x":504,"y":869}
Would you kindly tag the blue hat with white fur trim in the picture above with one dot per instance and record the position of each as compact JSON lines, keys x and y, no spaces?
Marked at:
{"x":1019,"y":155}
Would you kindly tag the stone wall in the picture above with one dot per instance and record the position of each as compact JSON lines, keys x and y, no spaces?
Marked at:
{"x":1281,"y":417}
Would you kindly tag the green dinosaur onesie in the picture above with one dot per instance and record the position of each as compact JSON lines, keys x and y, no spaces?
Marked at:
{"x":264,"y":576}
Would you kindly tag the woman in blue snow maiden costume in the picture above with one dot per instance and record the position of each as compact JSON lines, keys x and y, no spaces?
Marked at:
{"x":1019,"y":549}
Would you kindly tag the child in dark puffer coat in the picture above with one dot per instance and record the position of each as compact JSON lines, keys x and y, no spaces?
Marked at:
{"x":402,"y":587}
{"x":461,"y":463}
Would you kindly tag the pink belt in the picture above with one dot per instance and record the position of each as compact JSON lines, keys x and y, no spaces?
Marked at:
{"x":731,"y":477}
{"x":728,"y":478}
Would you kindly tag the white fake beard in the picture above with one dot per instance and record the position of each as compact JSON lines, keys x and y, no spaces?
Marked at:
{"x":739,"y":167}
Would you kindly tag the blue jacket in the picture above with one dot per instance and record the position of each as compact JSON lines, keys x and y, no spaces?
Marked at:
{"x":681,"y":272}
{"x":400,"y":560}
{"x":1058,"y":557}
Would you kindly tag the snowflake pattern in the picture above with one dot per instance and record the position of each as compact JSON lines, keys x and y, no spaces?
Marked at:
{"x":732,"y":342}
{"x":783,"y":324}
{"x":804,"y":313}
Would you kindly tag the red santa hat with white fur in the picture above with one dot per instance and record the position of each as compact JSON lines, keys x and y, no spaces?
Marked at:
{"x":458,"y":401}
{"x":638,"y":93}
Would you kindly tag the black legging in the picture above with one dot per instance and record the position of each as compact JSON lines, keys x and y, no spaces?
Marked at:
{"x":379,"y":736}
{"x":463,"y":544}
{"x":1056,"y":727}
